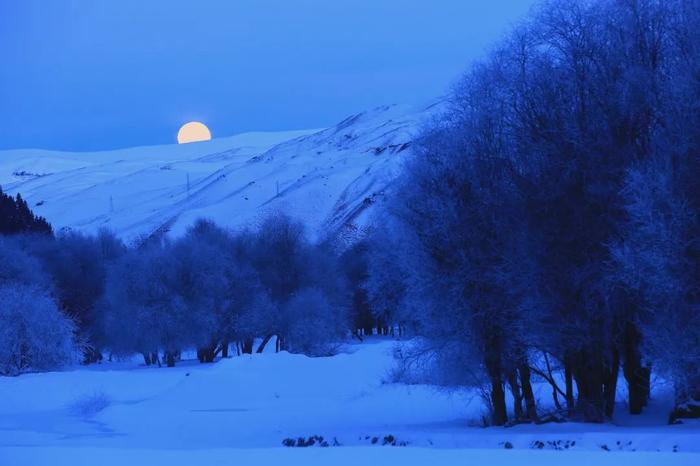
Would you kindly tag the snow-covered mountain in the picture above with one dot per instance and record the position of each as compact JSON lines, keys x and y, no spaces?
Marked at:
{"x":329,"y":178}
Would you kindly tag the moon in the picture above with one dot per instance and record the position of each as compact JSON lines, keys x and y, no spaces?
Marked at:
{"x":194,"y":131}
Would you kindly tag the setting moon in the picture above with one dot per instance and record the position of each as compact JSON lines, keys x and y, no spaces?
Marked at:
{"x":193,"y":131}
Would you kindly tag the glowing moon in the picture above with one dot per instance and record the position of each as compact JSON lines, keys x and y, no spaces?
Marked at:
{"x":193,"y":131}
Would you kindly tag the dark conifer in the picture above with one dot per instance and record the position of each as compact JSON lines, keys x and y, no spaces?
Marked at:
{"x":17,"y":217}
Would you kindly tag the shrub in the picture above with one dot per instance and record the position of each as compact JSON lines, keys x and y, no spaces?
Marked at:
{"x":90,"y":404}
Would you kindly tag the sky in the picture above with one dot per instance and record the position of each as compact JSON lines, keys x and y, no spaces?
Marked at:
{"x":102,"y":74}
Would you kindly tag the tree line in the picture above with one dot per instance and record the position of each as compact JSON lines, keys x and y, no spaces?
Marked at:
{"x":548,"y":221}
{"x":211,"y":290}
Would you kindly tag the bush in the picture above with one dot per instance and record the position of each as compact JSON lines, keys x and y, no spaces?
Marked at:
{"x":89,"y":405}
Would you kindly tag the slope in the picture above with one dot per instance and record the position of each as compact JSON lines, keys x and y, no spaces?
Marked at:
{"x":330,"y":178}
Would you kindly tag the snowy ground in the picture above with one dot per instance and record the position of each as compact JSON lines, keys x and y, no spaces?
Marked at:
{"x":241,"y":409}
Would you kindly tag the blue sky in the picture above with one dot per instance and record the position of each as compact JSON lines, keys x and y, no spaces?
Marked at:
{"x":102,"y":74}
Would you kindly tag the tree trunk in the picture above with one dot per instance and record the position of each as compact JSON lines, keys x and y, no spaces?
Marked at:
{"x":569,"y":379}
{"x":380,"y":326}
{"x":169,"y":358}
{"x":528,"y":394}
{"x":638,"y":377}
{"x":207,"y":354}
{"x":499,"y":414}
{"x":147,"y":358}
{"x":498,"y":402}
{"x":247,"y":346}
{"x":358,"y":334}
{"x":610,"y":387}
{"x":91,"y":355}
{"x":589,"y":373}
{"x":553,"y":383}
{"x":224,"y":349}
{"x":265,"y":341}
{"x":282,"y":344}
{"x":517,"y":396}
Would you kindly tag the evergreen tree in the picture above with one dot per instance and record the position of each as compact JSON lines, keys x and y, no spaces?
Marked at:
{"x":16,"y":217}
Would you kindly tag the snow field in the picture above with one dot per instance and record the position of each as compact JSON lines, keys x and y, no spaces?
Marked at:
{"x":243,"y":408}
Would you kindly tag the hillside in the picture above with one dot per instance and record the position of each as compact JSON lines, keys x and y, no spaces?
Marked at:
{"x":328,"y":178}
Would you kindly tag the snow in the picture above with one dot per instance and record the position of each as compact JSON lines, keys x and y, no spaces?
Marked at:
{"x":336,"y":456}
{"x":328,"y":178}
{"x":242,"y":408}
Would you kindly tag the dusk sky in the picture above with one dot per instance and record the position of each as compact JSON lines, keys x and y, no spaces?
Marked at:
{"x":103,"y":74}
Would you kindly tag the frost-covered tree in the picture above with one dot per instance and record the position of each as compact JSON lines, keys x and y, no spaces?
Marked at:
{"x":142,"y":312}
{"x":200,"y":277}
{"x":585,"y":82}
{"x":261,"y":316}
{"x":532,"y":155}
{"x":34,"y":333}
{"x":458,"y":207}
{"x":218,"y":284}
{"x":212,"y":287}
{"x":387,"y":280}
{"x":18,"y":266}
{"x":354,"y":265}
{"x":658,"y":253}
{"x":286,"y":263}
{"x":78,"y":264}
{"x":591,"y":75}
{"x":313,"y":327}
{"x":659,"y":257}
